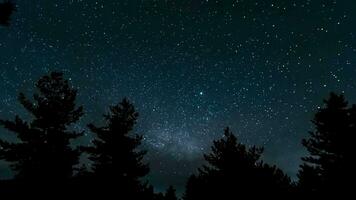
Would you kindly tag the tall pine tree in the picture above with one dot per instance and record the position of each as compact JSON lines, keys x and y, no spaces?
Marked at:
{"x":43,"y":152}
{"x":170,"y":194}
{"x":235,"y":170}
{"x":114,"y":153}
{"x":330,"y":167}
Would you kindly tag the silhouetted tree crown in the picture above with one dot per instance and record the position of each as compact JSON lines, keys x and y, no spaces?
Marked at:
{"x":114,"y":153}
{"x":227,"y":155}
{"x":6,"y":10}
{"x":330,"y":165}
{"x":43,"y":150}
{"x":234,"y":169}
{"x":170,"y":194}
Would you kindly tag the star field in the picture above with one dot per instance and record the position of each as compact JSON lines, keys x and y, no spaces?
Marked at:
{"x":191,"y":67}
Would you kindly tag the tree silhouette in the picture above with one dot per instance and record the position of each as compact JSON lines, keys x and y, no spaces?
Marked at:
{"x":330,"y":165}
{"x":234,"y":170}
{"x":6,"y":10}
{"x":43,"y":152}
{"x":170,"y":194}
{"x":115,"y":141}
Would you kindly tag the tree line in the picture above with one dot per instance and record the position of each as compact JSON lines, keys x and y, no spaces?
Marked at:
{"x":45,"y":162}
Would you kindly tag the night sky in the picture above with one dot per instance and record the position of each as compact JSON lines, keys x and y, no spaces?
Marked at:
{"x":191,"y":67}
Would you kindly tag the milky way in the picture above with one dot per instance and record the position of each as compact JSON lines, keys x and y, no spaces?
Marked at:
{"x":191,"y":67}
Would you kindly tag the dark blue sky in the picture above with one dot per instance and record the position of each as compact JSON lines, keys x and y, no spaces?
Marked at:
{"x":192,"y":67}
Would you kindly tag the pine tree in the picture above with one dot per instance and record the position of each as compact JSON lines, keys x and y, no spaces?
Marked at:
{"x":234,"y":169}
{"x":228,"y":155}
{"x":43,"y":152}
{"x":330,"y":165}
{"x":6,"y":10}
{"x":116,"y":141}
{"x":170,"y":194}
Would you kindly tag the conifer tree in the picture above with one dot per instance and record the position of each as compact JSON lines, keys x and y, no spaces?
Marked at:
{"x":330,"y":166}
{"x":170,"y":194}
{"x":43,"y":151}
{"x":114,"y":152}
{"x":234,"y":170}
